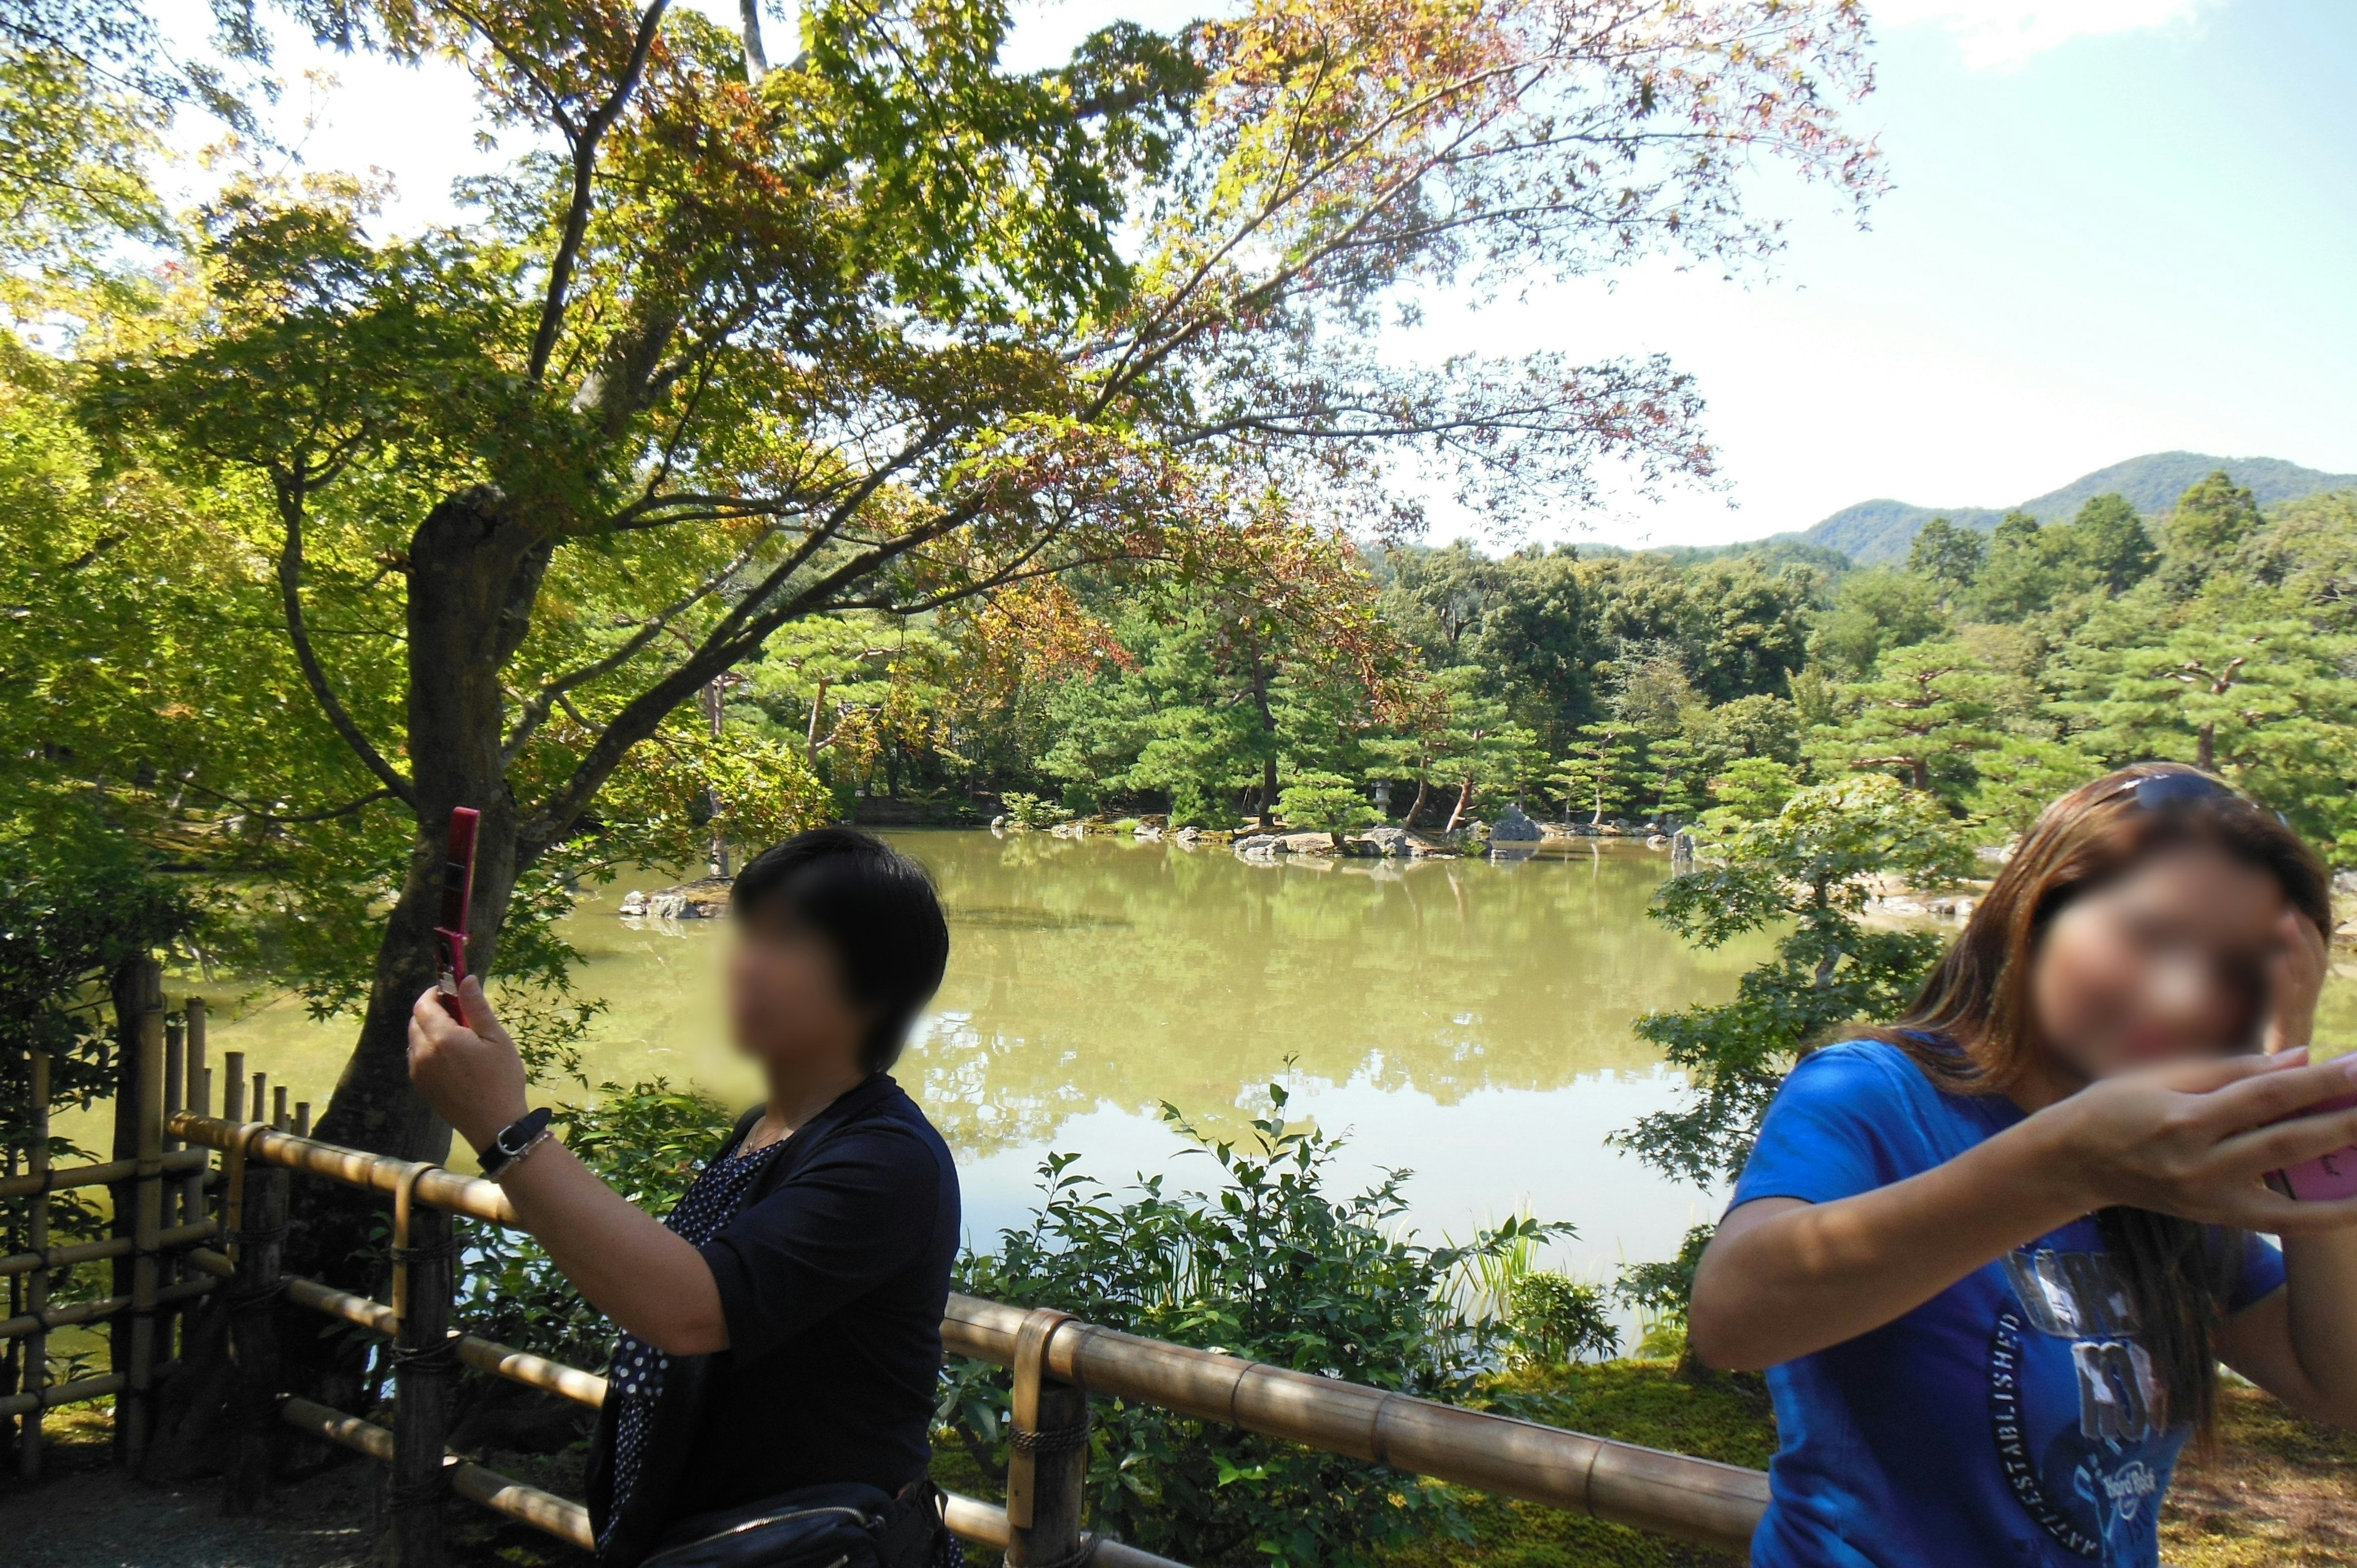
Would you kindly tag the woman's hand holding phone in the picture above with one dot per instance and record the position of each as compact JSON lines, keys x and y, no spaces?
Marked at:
{"x":2198,"y":1139}
{"x":470,"y":1073}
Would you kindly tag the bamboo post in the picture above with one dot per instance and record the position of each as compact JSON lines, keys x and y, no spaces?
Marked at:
{"x":260,"y":1112}
{"x":147,"y":1218}
{"x":232,"y":1159}
{"x":36,"y":1283}
{"x":426,"y":1367}
{"x":176,"y":1080}
{"x":278,"y":1117}
{"x":196,"y":1095}
{"x":1046,"y":1467}
{"x":260,"y":1239}
{"x":302,"y":1117}
{"x":137,"y":992}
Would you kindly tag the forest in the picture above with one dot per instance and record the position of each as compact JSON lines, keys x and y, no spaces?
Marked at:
{"x":1991,"y":671}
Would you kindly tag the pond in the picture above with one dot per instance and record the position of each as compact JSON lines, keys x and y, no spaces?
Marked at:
{"x":1467,"y":1020}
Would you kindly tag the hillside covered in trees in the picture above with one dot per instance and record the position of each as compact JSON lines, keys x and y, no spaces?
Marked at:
{"x":1992,"y":670}
{"x":1879,"y":532}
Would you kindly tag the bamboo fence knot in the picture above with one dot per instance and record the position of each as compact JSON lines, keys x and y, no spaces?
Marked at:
{"x":404,"y":1204}
{"x":1031,"y":1440}
{"x":441,"y":1355}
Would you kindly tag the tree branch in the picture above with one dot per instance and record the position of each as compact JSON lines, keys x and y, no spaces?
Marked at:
{"x":324,"y":814}
{"x":585,"y":168}
{"x":535,"y":712}
{"x":290,"y":598}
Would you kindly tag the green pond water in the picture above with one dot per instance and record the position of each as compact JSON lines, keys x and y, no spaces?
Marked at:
{"x":1468,"y":1020}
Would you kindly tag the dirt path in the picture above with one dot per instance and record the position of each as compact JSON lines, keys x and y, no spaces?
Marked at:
{"x":86,"y":1514}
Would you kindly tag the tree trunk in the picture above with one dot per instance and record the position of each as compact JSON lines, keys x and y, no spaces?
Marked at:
{"x":2205,"y":755}
{"x":1260,"y":677}
{"x":474,"y":571}
{"x":1415,"y":807}
{"x":1919,"y":768}
{"x":136,"y":989}
{"x":757,"y":59}
{"x":715,"y":693}
{"x":809,"y":741}
{"x":1464,"y":798}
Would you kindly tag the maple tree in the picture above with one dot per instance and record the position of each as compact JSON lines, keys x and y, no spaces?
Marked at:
{"x":888,"y":328}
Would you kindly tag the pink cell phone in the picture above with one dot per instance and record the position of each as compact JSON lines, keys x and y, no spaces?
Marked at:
{"x":2327,"y":1177}
{"x":458,"y":892}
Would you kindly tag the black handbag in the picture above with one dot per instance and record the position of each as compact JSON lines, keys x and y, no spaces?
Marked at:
{"x":839,"y":1525}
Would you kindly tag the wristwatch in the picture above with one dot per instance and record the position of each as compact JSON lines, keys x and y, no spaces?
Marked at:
{"x":513,"y":1143}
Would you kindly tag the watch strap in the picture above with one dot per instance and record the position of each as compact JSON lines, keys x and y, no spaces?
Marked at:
{"x":511,"y":1140}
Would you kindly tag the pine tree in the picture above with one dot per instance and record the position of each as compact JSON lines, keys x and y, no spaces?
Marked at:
{"x":1923,"y":709}
{"x":1601,"y":772}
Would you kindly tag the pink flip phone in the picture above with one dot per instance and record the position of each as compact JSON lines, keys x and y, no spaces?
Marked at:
{"x":458,"y":892}
{"x":2329,"y":1175}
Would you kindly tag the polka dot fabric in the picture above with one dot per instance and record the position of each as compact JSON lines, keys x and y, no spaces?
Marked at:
{"x":635,"y":1373}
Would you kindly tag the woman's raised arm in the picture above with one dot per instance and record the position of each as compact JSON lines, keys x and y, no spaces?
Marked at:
{"x":622,"y":1259}
{"x":1783,"y":1277}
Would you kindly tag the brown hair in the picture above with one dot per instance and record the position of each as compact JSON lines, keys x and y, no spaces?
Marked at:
{"x":1972,"y":1032}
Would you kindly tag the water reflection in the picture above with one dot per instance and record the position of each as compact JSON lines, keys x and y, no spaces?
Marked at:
{"x":1100,"y":973}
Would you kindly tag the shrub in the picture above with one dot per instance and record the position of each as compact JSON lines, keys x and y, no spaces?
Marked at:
{"x":74,"y":905}
{"x":1270,"y":1266}
{"x":1324,"y":802}
{"x":1031,"y":812}
{"x":1556,"y":1318}
{"x":1660,"y":1294}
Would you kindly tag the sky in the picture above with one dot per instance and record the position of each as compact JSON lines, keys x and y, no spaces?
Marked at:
{"x":2116,"y":227}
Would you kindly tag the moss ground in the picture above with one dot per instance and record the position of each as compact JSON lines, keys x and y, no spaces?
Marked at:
{"x":2278,"y":1492}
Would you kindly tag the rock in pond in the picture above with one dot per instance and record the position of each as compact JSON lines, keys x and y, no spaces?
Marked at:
{"x":1516,"y":826}
{"x":704,"y":899}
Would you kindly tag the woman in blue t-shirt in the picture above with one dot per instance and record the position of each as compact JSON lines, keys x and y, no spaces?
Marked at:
{"x":1991,"y":1258}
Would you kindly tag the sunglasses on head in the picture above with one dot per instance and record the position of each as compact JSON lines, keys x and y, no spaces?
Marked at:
{"x":2169,"y":791}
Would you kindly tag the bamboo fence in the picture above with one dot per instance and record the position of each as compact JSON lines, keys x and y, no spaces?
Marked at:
{"x":1058,"y":1361}
{"x":158,"y":1196}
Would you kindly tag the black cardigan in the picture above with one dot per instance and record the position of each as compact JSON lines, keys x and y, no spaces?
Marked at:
{"x":833,"y":1275}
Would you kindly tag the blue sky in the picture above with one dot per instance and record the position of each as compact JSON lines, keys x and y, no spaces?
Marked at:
{"x":2116,"y":227}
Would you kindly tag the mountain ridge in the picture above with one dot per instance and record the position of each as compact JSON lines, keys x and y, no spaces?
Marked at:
{"x":1878,"y":531}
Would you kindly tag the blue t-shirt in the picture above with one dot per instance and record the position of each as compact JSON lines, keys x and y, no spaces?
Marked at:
{"x":2007,"y":1421}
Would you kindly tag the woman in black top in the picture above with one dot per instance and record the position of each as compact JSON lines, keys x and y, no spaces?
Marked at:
{"x":781,"y":1329}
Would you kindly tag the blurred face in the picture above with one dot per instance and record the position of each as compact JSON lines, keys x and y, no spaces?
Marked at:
{"x":2163,"y":962}
{"x":787,"y":1007}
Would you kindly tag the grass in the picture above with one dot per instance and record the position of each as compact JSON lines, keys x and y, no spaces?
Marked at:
{"x":2279,"y":1492}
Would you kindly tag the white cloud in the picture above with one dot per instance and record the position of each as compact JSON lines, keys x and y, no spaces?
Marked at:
{"x":1994,"y":34}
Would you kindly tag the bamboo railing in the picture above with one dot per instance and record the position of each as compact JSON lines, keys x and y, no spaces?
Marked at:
{"x":1058,"y":1361}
